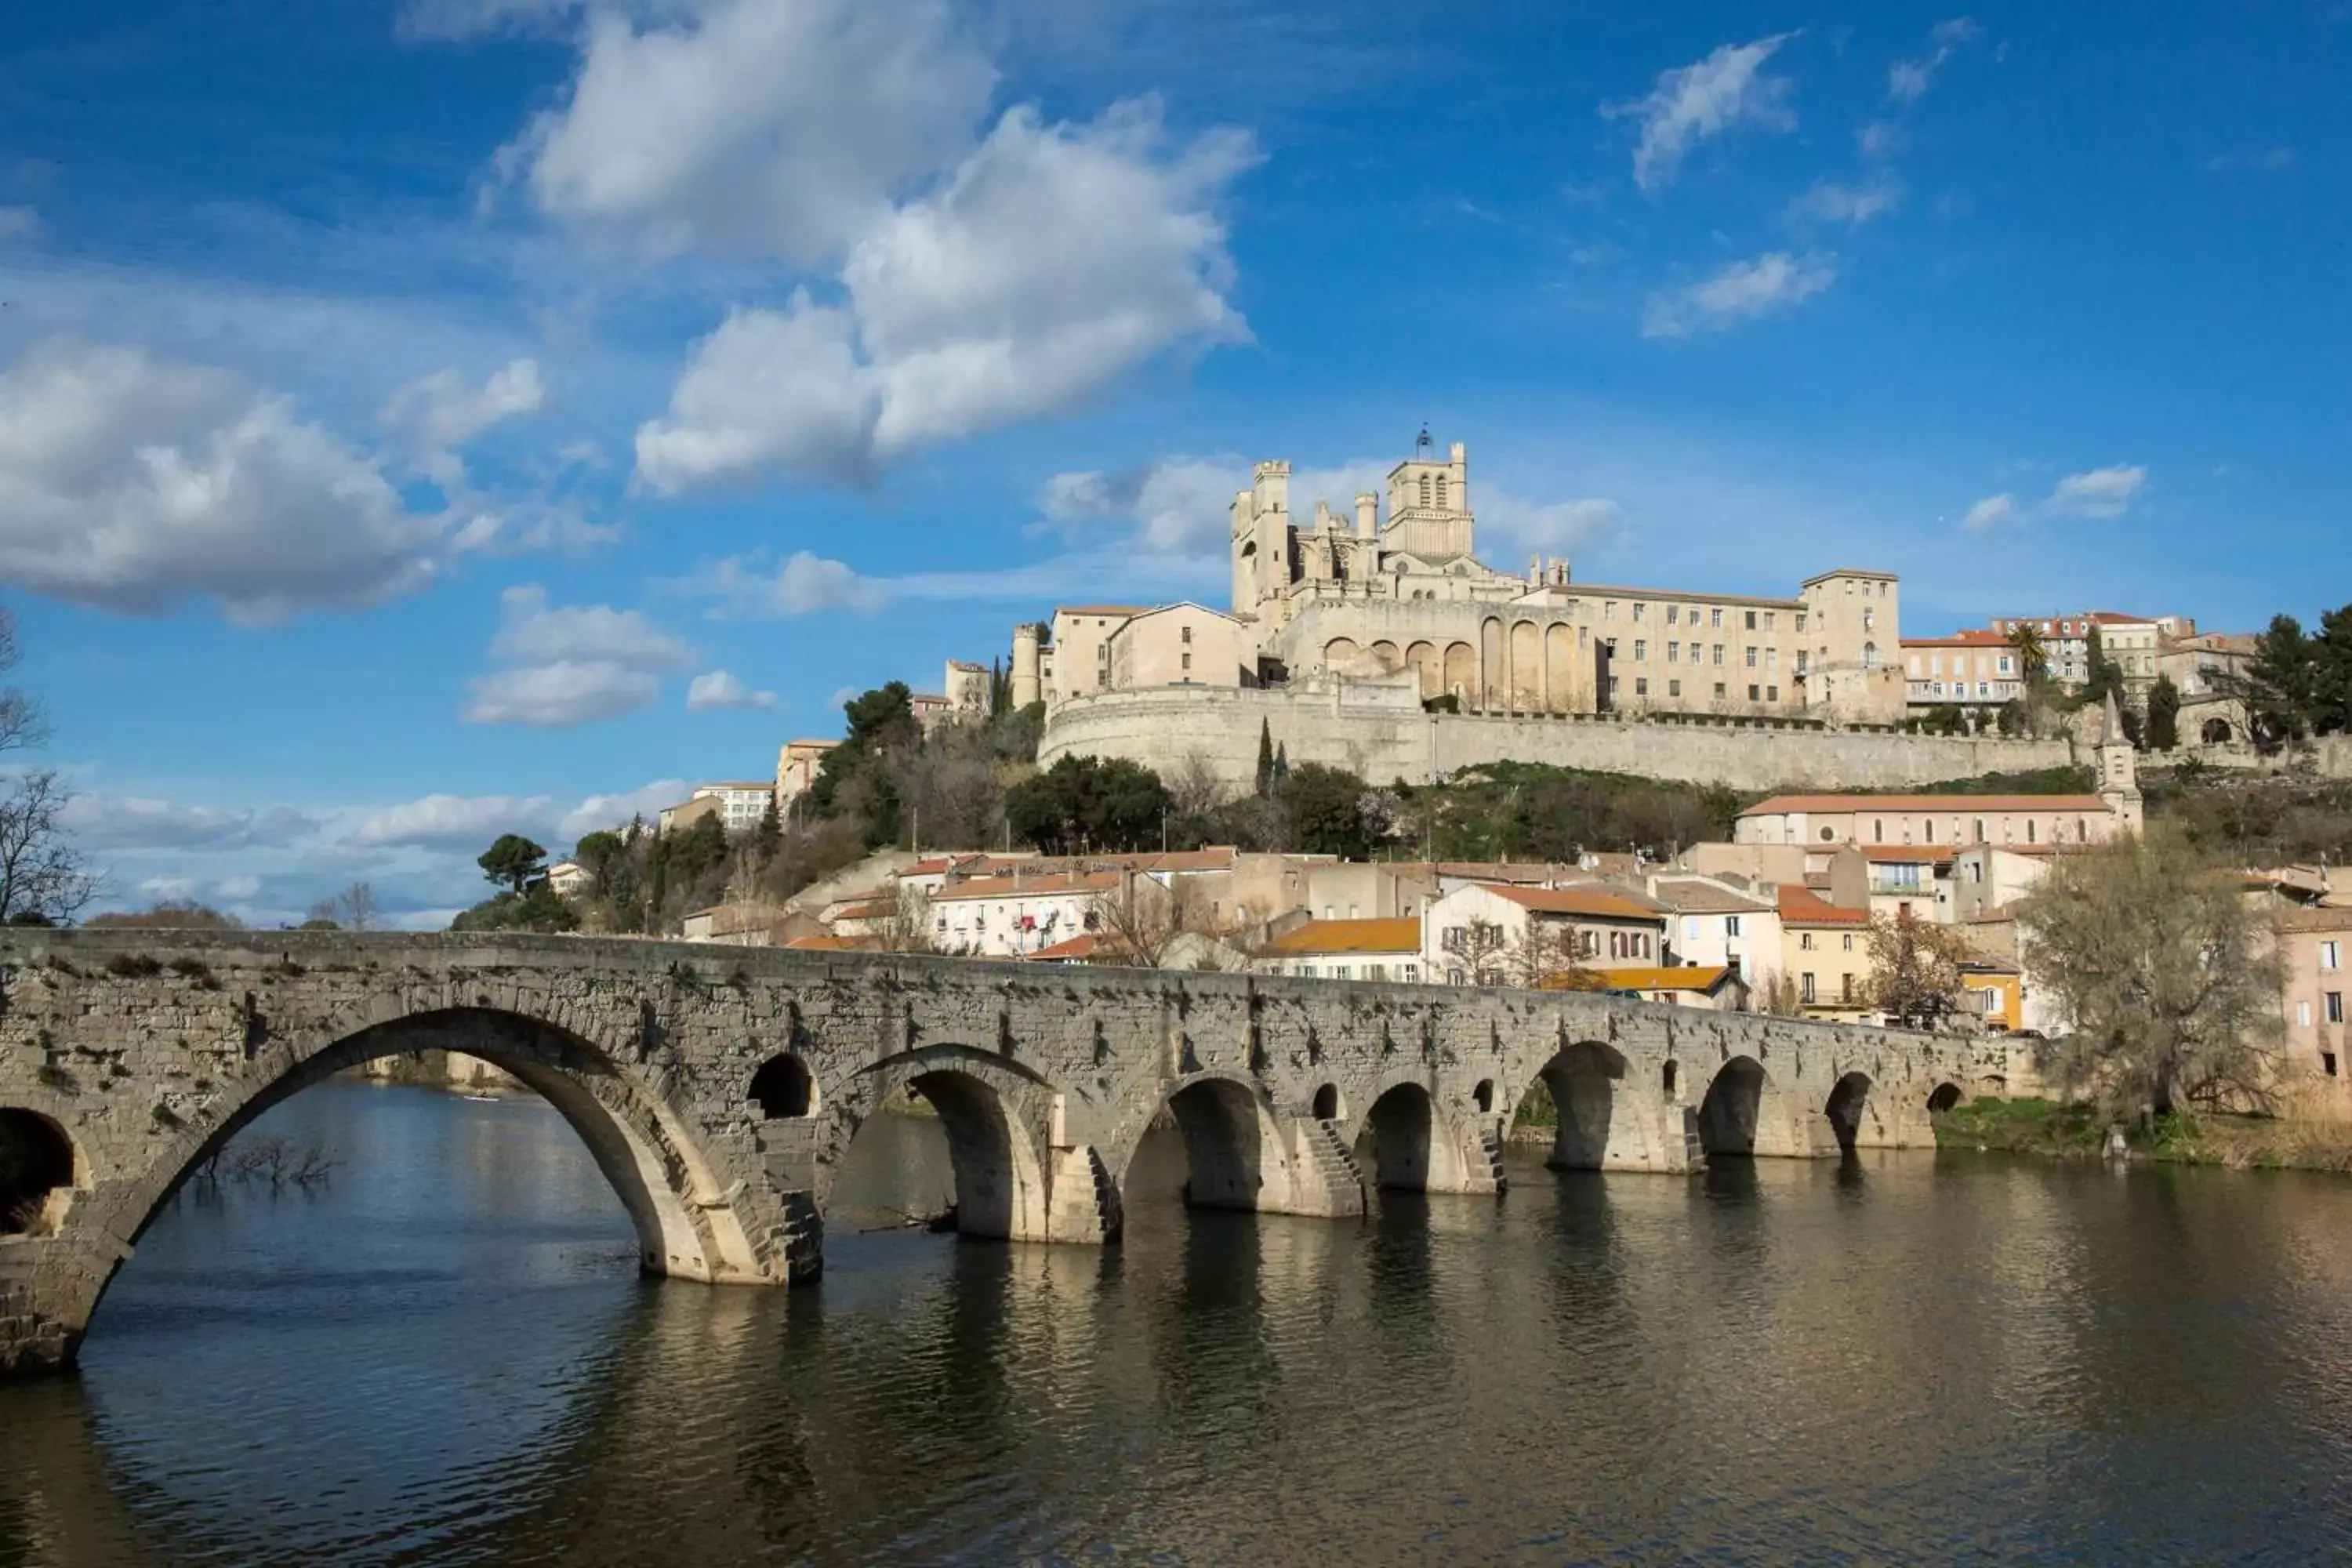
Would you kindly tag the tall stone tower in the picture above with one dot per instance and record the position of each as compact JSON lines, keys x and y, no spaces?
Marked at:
{"x":1261,"y":539}
{"x":1429,"y":504}
{"x":2119,"y":770}
{"x":1026,"y":688}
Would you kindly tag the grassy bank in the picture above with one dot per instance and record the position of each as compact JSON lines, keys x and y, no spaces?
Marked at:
{"x":2076,"y":1131}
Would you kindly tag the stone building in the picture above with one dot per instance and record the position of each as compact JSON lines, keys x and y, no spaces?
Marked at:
{"x":1395,"y":594}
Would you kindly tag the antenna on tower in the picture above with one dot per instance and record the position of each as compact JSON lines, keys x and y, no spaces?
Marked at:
{"x":1422,"y":443}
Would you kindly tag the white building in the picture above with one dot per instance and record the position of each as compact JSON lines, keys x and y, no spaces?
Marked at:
{"x":1012,"y":917}
{"x":1478,"y":935}
{"x":740,"y":805}
{"x":1966,"y":669}
{"x":1713,"y":921}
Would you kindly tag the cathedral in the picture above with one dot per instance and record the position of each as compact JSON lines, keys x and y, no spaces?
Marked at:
{"x":1393,"y":594}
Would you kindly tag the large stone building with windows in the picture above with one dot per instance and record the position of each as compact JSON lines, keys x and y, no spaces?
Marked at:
{"x":1395,"y":594}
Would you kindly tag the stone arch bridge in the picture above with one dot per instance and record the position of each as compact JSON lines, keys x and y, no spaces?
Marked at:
{"x":718,"y":1088}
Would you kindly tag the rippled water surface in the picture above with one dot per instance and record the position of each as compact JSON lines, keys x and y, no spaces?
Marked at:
{"x":445,"y":1356}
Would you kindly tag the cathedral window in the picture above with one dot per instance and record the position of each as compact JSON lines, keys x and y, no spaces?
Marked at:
{"x":1424,"y":489}
{"x":1441,"y":493}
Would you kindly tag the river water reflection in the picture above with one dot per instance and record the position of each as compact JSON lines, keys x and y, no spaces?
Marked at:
{"x":445,"y":1356}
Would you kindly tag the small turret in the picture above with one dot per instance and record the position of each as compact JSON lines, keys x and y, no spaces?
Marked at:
{"x":1025,"y":689}
{"x":1367,"y":514}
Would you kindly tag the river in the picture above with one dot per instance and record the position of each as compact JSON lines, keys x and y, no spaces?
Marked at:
{"x":445,"y":1355}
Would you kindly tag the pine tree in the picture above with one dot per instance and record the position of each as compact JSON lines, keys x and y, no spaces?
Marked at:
{"x":1265,"y":757}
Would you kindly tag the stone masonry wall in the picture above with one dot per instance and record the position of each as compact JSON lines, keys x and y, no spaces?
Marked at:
{"x":1369,"y":733}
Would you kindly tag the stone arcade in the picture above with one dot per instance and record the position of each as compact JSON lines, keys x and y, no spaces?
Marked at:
{"x":718,"y":1092}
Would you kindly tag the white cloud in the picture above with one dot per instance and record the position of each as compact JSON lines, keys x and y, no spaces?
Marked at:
{"x":2097,"y":493}
{"x":578,"y":663}
{"x":168,"y":889}
{"x":1691,"y":103}
{"x":1990,"y":512}
{"x":1907,"y":81}
{"x":842,"y":696}
{"x":1181,"y":503}
{"x":716,"y":689}
{"x":753,"y":127}
{"x":116,"y":822}
{"x":602,"y":811}
{"x":452,"y":821}
{"x":1879,"y":139}
{"x":1055,"y":260}
{"x":807,"y":584}
{"x":2265,"y":161}
{"x":1829,"y":201}
{"x":1553,"y":526}
{"x":444,"y":411}
{"x":561,"y":695}
{"x":132,"y":484}
{"x":1741,"y":291}
{"x":18,"y":222}
{"x":237,"y":889}
{"x":469,"y":18}
{"x":532,"y":632}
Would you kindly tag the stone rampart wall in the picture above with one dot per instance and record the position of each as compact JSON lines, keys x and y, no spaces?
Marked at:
{"x":1367,"y":731}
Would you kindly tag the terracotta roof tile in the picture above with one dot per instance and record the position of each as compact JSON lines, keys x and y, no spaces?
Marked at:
{"x":1803,"y":907}
{"x":1401,"y":935}
{"x":1595,"y":902}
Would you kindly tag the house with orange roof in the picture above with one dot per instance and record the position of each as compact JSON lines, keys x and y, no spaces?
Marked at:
{"x":1016,"y":915}
{"x":1493,"y":933}
{"x":1825,"y":950}
{"x":1966,"y":669}
{"x":1721,"y":921}
{"x":1819,"y":822}
{"x":1386,"y":948}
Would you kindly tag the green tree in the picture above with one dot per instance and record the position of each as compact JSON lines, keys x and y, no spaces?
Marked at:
{"x":1085,"y":805}
{"x":768,"y":834}
{"x":855,"y":779}
{"x":2104,"y":675}
{"x":2163,"y":715}
{"x":1324,"y":808}
{"x":2162,"y":972}
{"x":597,"y":854}
{"x":1265,"y":757}
{"x":2280,"y":684}
{"x":2032,"y":658}
{"x":513,"y":862}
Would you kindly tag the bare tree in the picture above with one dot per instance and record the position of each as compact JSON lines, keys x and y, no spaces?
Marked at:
{"x":1544,"y":954}
{"x":909,"y":929}
{"x":1914,"y":970}
{"x":1779,"y":996}
{"x":356,"y":908}
{"x":1194,"y":787}
{"x":1141,"y":921}
{"x":43,"y":878}
{"x":2166,"y":978}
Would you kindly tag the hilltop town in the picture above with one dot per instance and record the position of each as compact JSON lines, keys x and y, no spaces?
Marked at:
{"x":1387,"y":761}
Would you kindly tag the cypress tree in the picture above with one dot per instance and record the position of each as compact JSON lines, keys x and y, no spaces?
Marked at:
{"x":1265,"y":757}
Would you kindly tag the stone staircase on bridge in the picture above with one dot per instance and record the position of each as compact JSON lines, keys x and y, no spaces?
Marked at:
{"x":1333,"y":1164}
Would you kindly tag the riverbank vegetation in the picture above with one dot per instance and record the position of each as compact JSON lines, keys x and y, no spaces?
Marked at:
{"x":2064,"y":1129}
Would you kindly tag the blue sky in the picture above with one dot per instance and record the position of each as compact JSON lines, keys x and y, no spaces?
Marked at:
{"x":405,"y":409}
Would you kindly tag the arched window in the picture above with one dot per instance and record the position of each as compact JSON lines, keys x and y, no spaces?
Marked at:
{"x":1326,"y":1103}
{"x":1424,"y":489}
{"x":1870,"y":656}
{"x":1485,"y":1093}
{"x":1440,"y":492}
{"x":782,"y":1089}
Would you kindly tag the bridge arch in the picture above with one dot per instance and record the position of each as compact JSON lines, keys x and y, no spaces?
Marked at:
{"x":1230,"y":1137}
{"x":993,"y":1113}
{"x":1945,"y":1096}
{"x":784,"y":1088}
{"x":1416,"y":1145}
{"x":686,"y":1225}
{"x":1848,"y":1107}
{"x":1745,"y":1113}
{"x":1596,"y":1125}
